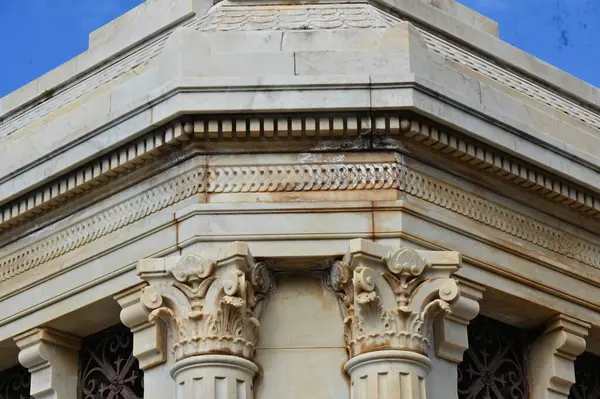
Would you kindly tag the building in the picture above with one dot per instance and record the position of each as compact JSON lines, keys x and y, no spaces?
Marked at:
{"x":320,"y":199}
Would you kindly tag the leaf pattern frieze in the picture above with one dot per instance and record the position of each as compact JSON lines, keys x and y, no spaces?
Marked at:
{"x":338,"y":176}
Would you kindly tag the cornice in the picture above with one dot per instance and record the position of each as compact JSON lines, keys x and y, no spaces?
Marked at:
{"x":525,"y":85}
{"x":115,"y":164}
{"x":149,"y":147}
{"x":497,"y":164}
{"x":215,"y":135}
{"x":225,"y":179}
{"x":85,"y":83}
{"x":79,"y":87}
{"x":498,"y":217}
{"x":240,"y":17}
{"x":103,"y":223}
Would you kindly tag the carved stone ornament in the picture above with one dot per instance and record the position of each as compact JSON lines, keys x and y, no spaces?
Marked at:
{"x":392,"y":297}
{"x":209,"y":306}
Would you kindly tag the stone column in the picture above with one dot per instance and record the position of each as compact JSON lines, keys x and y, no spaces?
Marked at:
{"x":211,"y":308}
{"x":392,"y":299}
{"x":552,"y":356}
{"x":52,"y":359}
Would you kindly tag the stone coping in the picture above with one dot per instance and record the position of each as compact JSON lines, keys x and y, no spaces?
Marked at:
{"x":108,"y":43}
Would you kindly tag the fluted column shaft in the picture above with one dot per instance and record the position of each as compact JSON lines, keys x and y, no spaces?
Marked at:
{"x":388,"y":374}
{"x":214,"y":377}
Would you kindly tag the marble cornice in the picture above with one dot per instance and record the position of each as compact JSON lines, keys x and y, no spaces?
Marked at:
{"x":92,"y":175}
{"x":159,"y":142}
{"x":253,"y":132}
{"x":488,"y":213}
{"x":313,"y":93}
{"x":512,"y":79}
{"x":497,"y":164}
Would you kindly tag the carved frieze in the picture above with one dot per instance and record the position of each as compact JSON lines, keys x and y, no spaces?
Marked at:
{"x":209,"y":306}
{"x":490,"y":214}
{"x":146,"y":149}
{"x":314,"y":176}
{"x":308,"y":177}
{"x":314,"y":16}
{"x":103,"y":223}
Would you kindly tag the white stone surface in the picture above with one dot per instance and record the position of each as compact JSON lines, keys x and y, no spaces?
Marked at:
{"x":389,"y":374}
{"x":551,"y":358}
{"x":466,"y":15}
{"x":149,"y":338}
{"x":214,"y":377}
{"x":300,"y":128}
{"x":52,"y":359}
{"x":301,"y":341}
{"x":145,"y":21}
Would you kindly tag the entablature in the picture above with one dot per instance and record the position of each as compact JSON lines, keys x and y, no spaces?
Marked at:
{"x":315,"y":201}
{"x":356,"y":132}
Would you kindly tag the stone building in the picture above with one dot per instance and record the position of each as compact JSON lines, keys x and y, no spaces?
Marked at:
{"x":321,"y":199}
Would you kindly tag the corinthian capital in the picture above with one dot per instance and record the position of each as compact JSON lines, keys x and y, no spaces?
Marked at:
{"x":209,"y":305}
{"x":391,"y":297}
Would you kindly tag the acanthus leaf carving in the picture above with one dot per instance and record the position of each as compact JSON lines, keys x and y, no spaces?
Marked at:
{"x":392,"y":303}
{"x":209,"y":306}
{"x":371,"y":316}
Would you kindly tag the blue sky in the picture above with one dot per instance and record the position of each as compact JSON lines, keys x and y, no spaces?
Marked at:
{"x":564,"y":33}
{"x":38,"y":35}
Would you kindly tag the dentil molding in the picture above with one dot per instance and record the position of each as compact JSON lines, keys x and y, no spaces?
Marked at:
{"x":244,"y":129}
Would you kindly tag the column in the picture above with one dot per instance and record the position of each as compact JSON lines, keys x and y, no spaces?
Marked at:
{"x":552,"y":356}
{"x":211,"y":308}
{"x":391,"y":300}
{"x":52,"y":359}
